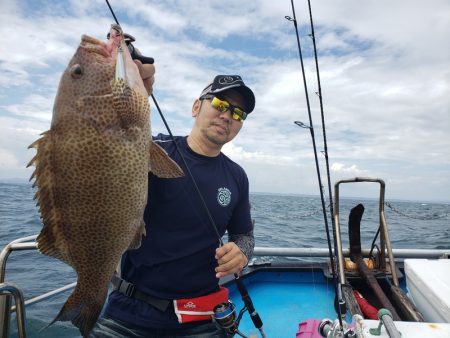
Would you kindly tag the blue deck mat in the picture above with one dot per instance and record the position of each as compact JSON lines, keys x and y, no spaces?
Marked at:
{"x":284,"y":300}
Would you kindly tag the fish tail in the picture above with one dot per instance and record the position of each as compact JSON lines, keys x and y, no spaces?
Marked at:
{"x":83,"y":311}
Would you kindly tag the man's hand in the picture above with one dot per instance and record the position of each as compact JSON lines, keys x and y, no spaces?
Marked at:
{"x":230,"y":259}
{"x":147,"y":72}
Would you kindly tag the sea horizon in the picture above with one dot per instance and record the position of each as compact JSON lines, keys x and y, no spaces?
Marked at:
{"x":446,"y":202}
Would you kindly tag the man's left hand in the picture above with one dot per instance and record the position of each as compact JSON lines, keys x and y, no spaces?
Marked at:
{"x":231,"y":260}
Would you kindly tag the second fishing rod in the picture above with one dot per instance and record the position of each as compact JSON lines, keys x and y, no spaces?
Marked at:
{"x":340,"y":302}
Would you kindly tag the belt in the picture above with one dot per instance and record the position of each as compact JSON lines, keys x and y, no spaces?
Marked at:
{"x":129,"y":290}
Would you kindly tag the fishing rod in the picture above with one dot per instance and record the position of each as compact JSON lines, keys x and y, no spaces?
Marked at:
{"x":325,"y":146}
{"x":338,"y":293}
{"x":340,"y":299}
{"x":224,"y":313}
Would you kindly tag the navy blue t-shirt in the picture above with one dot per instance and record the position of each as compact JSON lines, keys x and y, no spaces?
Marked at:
{"x":176,"y":258}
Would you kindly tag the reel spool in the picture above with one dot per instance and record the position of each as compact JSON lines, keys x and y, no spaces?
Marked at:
{"x":225,"y":316}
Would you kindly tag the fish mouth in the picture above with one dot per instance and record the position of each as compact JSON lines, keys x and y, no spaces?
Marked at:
{"x":97,"y":46}
{"x":113,"y":52}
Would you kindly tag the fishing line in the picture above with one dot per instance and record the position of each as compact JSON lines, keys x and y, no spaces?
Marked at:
{"x":256,"y":319}
{"x":311,"y":129}
{"x":197,"y":189}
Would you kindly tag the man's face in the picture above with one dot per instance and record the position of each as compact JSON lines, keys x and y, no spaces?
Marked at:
{"x":218,"y":127}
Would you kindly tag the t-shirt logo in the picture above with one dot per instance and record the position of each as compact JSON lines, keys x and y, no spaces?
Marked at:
{"x":223,"y":196}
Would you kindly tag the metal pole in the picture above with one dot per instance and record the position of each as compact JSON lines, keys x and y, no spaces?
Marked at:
{"x":338,"y":235}
{"x":5,"y":299}
{"x":20,"y":307}
{"x":5,"y":314}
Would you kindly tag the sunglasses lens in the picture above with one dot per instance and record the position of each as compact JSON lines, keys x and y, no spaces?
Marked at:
{"x":220,"y":105}
{"x":223,"y":106}
{"x":239,"y":114}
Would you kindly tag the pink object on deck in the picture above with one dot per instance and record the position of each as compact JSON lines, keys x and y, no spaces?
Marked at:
{"x":309,"y":329}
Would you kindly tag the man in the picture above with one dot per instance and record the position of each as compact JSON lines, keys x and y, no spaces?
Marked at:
{"x":179,"y":261}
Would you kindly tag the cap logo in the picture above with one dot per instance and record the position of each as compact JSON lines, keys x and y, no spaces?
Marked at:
{"x":227,"y":80}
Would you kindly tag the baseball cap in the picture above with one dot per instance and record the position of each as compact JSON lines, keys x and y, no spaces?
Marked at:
{"x":222,"y":83}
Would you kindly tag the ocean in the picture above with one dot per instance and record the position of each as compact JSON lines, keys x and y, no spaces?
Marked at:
{"x":280,"y":221}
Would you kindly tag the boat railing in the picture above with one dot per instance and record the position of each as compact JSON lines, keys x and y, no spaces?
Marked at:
{"x":324,"y":252}
{"x":398,"y":301}
{"x":9,"y":291}
{"x":385,"y":243}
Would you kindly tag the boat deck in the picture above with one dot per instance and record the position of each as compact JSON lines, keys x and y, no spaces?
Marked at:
{"x":286,"y":295}
{"x":283,"y":300}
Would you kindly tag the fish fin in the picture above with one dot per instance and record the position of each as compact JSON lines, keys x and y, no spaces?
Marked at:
{"x":136,"y":242}
{"x":50,"y":241}
{"x":161,"y":164}
{"x":82,"y":311}
{"x":132,"y":108}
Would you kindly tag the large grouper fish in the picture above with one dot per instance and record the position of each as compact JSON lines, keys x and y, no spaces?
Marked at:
{"x":91,"y":171}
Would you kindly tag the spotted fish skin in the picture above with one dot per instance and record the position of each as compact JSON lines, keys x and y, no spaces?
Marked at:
{"x":91,"y":174}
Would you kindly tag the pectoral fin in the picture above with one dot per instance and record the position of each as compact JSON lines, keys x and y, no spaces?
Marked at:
{"x":136,"y":242}
{"x":162,"y":165}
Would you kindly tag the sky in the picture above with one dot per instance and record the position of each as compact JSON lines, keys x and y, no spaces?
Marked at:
{"x":384,"y":68}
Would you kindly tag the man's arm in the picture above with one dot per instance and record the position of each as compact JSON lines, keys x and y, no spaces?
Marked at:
{"x":233,"y":256}
{"x":245,"y":242}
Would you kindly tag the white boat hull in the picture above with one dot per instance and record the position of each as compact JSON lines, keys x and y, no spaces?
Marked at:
{"x":411,"y":329}
{"x":428,"y":284}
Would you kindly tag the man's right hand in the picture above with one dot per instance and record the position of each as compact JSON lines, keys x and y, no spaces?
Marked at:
{"x":147,"y":72}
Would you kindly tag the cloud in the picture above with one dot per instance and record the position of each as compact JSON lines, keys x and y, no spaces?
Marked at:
{"x":352,"y":170}
{"x":33,"y":107}
{"x":384,"y":72}
{"x":259,"y":157}
{"x":8,"y":160}
{"x":15,"y":137}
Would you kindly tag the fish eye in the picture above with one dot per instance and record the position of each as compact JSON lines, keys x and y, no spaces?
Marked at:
{"x":76,"y":71}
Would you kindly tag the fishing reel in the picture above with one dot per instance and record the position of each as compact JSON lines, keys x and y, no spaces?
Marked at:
{"x":135,"y":54}
{"x":329,"y":329}
{"x":225,"y":318}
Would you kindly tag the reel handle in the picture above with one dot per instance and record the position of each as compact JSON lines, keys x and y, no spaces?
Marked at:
{"x":138,"y":56}
{"x":135,"y":54}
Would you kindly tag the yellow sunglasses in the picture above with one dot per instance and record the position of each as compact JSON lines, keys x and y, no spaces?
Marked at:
{"x":237,"y":113}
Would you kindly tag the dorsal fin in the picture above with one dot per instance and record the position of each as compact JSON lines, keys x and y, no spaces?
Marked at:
{"x":44,"y":180}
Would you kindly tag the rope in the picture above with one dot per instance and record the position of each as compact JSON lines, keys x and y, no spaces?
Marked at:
{"x":422,"y":218}
{"x":431,"y":217}
{"x":313,"y":213}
